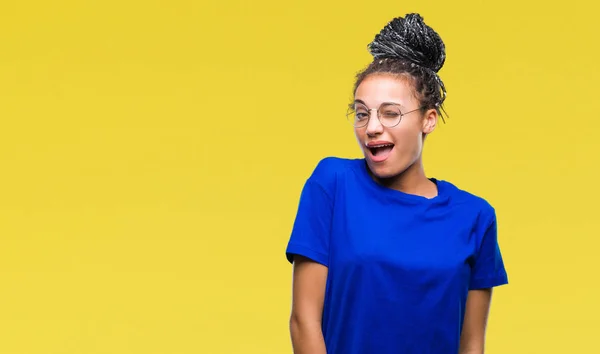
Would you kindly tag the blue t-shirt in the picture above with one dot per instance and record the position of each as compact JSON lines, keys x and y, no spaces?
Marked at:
{"x":399,"y":265}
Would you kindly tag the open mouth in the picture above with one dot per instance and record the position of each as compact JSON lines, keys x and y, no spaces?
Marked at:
{"x":381,"y":150}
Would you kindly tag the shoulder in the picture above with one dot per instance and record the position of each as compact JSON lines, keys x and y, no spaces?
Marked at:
{"x":471,"y":201}
{"x":329,"y":170}
{"x":331,"y":166}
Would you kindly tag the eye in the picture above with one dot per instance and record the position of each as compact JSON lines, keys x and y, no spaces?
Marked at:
{"x":361,"y":115}
{"x":391,"y":114}
{"x":361,"y":112}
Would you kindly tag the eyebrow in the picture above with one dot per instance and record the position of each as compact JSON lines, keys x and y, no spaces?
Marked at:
{"x":396,"y":103}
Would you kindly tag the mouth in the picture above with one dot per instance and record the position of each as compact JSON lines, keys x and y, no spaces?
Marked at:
{"x":379,"y":152}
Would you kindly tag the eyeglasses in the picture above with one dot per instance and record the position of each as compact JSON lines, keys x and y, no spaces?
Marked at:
{"x":389,"y":114}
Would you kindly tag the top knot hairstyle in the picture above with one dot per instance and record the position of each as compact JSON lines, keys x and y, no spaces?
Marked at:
{"x":408,"y":47}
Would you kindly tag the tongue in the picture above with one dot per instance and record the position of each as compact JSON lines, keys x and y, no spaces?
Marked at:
{"x":382,"y":150}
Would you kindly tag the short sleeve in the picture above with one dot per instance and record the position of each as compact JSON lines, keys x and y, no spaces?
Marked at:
{"x":488,"y":269}
{"x":312,"y":225}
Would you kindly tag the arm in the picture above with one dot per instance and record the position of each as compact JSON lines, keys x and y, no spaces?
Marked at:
{"x":472,"y":340}
{"x":308,"y":294}
{"x":487,"y":272}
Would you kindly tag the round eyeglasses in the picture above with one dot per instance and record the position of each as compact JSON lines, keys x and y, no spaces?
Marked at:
{"x":389,"y":114}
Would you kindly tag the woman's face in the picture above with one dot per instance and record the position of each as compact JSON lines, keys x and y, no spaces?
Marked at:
{"x":391,"y":151}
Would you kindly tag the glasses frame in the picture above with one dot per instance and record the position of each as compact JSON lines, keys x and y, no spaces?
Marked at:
{"x":369,"y":110}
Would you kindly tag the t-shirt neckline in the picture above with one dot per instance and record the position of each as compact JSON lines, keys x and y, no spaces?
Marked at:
{"x":441,"y":196}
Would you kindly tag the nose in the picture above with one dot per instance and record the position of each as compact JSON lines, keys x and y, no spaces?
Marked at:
{"x":374,"y":126}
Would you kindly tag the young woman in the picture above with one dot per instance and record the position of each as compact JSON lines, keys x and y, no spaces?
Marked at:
{"x":387,"y":260}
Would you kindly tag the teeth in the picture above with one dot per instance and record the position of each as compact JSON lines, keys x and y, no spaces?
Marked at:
{"x":380,"y":146}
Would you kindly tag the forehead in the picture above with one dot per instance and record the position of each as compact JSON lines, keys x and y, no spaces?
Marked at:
{"x":376,"y":89}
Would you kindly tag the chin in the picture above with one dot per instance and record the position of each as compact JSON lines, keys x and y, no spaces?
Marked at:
{"x":384,"y":171}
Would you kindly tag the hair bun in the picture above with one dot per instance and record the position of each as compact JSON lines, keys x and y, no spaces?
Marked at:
{"x":410,"y":39}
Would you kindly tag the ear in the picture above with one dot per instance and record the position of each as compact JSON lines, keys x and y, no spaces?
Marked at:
{"x":430,"y":120}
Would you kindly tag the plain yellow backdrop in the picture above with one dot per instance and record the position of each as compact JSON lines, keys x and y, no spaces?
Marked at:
{"x":153,"y":153}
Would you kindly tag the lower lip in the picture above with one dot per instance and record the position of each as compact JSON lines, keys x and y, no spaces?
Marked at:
{"x":380,"y":157}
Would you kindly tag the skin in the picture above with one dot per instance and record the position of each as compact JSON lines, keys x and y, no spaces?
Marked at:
{"x":308,"y":294}
{"x":403,"y":170}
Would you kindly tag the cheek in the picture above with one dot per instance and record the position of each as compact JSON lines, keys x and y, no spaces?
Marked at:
{"x":360,"y":135}
{"x":408,"y":142}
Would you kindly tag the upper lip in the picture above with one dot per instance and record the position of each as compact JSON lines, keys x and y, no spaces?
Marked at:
{"x":377,"y":143}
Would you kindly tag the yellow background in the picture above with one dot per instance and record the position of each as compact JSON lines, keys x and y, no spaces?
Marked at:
{"x":153,"y":153}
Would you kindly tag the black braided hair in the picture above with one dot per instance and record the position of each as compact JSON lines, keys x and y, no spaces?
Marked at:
{"x":407,"y":46}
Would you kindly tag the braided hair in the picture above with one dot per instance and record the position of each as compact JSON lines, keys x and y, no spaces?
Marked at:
{"x":408,"y":47}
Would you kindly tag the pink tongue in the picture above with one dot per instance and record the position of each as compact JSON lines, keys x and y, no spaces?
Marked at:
{"x":382,"y":151}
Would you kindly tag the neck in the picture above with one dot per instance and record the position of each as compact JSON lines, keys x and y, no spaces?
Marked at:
{"x":412,"y":181}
